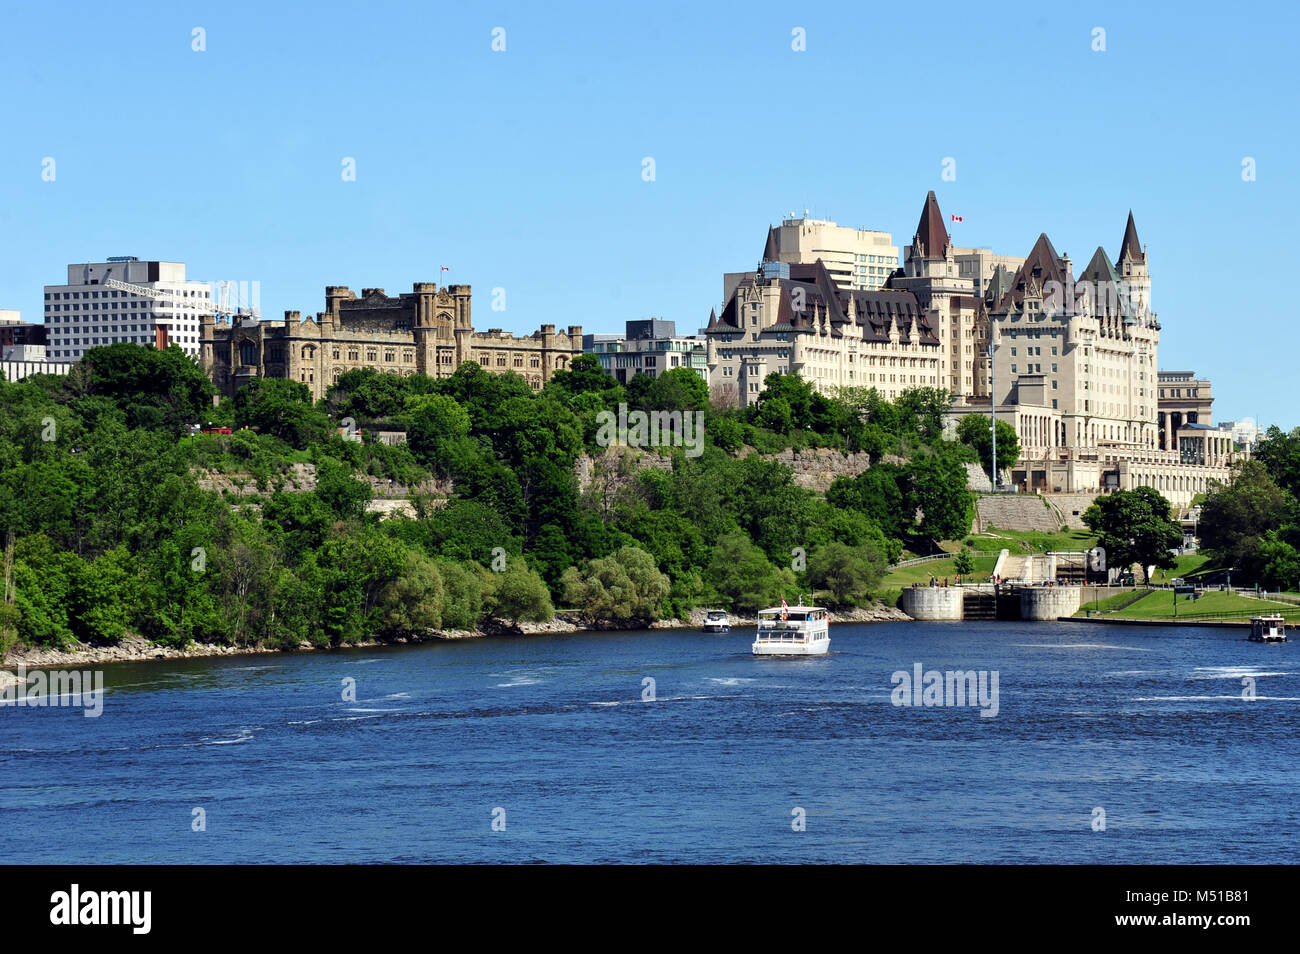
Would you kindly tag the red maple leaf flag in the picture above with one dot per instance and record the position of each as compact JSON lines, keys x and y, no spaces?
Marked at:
{"x":956,"y":218}
{"x":446,"y":268}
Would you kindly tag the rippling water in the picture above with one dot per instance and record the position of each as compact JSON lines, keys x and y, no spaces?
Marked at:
{"x":1148,"y":724}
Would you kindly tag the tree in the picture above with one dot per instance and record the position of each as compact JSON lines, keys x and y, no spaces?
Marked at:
{"x":1279,"y":452}
{"x":435,"y":427}
{"x":281,"y":408}
{"x":157,"y":389}
{"x":741,"y":574}
{"x":1236,"y":516}
{"x":625,"y":585}
{"x":847,"y":573}
{"x":516,"y":594}
{"x":679,"y":389}
{"x":963,"y":563}
{"x":1134,"y":526}
{"x":937,"y":487}
{"x":974,"y":431}
{"x":1279,"y":563}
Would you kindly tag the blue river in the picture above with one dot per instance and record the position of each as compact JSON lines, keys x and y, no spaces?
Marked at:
{"x":1110,"y":744}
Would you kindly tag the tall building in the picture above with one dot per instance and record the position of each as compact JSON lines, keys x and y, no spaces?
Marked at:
{"x":426,"y":331}
{"x":794,"y":318}
{"x":931,"y":271}
{"x":1074,"y":371}
{"x":85,"y":313}
{"x":649,"y":346}
{"x":860,"y":259}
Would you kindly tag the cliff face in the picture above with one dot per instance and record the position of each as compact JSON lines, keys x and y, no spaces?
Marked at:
{"x":814,"y":469}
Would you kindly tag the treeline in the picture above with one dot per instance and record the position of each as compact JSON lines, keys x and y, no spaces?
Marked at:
{"x":109,"y":531}
{"x":1251,"y":525}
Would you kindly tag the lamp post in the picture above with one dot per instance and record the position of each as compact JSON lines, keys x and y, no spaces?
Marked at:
{"x":993,"y":405}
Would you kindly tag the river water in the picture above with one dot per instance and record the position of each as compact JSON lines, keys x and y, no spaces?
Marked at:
{"x":543,"y":750}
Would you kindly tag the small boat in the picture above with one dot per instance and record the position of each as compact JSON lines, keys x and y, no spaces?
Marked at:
{"x":717,"y":621}
{"x":1268,"y":629}
{"x":792,"y":631}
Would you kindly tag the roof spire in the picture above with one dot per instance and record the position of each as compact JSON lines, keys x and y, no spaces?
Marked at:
{"x":931,"y":234}
{"x":1131,"y":248}
{"x":769,"y":250}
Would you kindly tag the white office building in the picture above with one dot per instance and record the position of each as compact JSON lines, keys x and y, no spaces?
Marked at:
{"x":87,"y":312}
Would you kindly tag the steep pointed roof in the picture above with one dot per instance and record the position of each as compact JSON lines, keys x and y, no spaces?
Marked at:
{"x":999,"y":284}
{"x":1042,"y":265}
{"x":769,"y":249}
{"x":1131,"y":248}
{"x":931,"y":239}
{"x":713,"y":319}
{"x":1099,"y":269}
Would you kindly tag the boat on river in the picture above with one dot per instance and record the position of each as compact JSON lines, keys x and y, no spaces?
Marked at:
{"x":792,"y":631}
{"x":1268,"y":629}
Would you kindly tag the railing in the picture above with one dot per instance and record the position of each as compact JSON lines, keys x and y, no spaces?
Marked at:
{"x":925,"y":559}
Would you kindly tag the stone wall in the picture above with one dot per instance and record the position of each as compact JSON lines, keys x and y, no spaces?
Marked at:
{"x":1071,"y":507}
{"x":1015,"y":512}
{"x":933,"y":602}
{"x":1048,"y":602}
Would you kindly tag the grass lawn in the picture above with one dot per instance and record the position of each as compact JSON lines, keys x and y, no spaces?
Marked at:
{"x":903,"y":576}
{"x":1215,"y":603}
{"x":1184,"y":566}
{"x":1088,"y":605}
{"x":1031,"y":541}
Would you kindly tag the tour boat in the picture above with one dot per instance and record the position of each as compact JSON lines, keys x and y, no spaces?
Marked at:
{"x":792,"y":631}
{"x":717,"y":621}
{"x":1268,"y":629}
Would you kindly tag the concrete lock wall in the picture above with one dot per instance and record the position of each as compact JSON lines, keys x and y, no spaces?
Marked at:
{"x":933,"y":602}
{"x":1048,"y":602}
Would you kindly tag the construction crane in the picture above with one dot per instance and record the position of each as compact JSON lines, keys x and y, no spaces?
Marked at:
{"x":203,"y":306}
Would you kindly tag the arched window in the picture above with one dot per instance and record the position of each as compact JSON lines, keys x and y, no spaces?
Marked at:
{"x":247,"y":352}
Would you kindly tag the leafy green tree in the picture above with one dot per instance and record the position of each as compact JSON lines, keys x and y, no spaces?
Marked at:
{"x":679,"y":389}
{"x":625,"y":585}
{"x":963,"y":563}
{"x":1236,"y":516}
{"x":741,"y":574}
{"x":1134,"y":526}
{"x":973,"y":430}
{"x":1279,"y":452}
{"x":1278,"y":562}
{"x":937,"y":488}
{"x":281,"y":408}
{"x":877,"y":492}
{"x":848,"y":573}
{"x":517,"y":594}
{"x":411,"y":604}
{"x":436,"y":427}
{"x":156,"y":389}
{"x":462,"y":604}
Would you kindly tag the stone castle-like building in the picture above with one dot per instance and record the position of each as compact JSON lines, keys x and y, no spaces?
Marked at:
{"x":427,"y":331}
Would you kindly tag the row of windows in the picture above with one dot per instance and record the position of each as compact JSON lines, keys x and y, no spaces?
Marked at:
{"x":77,"y":296}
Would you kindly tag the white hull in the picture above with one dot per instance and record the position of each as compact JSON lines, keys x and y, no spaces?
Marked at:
{"x":816,"y":647}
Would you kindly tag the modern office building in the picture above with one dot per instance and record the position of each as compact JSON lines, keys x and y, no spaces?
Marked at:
{"x":86,"y":312}
{"x":856,"y":259}
{"x":649,"y":346}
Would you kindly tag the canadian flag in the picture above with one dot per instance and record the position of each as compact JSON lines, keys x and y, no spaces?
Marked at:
{"x":783,"y":606}
{"x":446,"y":268}
{"x":956,"y":218}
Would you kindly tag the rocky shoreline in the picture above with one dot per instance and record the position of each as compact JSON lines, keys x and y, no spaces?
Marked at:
{"x":139,"y":649}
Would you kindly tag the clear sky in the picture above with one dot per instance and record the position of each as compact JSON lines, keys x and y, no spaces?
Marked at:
{"x":522,"y":169}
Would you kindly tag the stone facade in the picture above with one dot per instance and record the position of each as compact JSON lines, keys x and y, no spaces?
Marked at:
{"x":426,"y":331}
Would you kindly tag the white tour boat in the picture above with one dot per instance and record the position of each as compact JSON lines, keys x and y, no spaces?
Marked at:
{"x":717,"y":621}
{"x":792,"y":631}
{"x":1268,"y":629}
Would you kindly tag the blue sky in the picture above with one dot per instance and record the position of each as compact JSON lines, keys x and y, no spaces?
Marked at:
{"x":522,"y":169}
